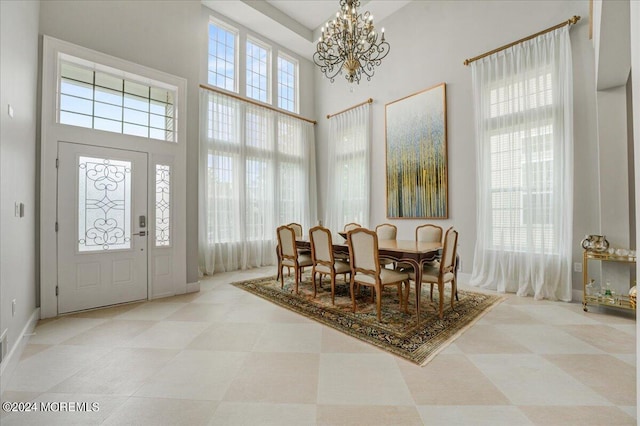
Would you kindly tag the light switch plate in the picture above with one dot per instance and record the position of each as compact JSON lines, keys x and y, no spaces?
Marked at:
{"x":10,"y":110}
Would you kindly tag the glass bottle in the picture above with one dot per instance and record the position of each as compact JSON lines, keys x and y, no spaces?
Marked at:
{"x":590,"y":289}
{"x":608,"y":293}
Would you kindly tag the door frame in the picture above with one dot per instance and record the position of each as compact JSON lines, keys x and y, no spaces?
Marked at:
{"x":158,"y":152}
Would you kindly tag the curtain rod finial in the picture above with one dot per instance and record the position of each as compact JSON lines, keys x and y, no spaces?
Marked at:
{"x":574,"y":19}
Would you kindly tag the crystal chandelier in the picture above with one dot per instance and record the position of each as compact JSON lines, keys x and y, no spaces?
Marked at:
{"x":350,"y":42}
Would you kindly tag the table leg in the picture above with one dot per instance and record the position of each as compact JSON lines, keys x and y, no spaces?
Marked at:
{"x":417,"y":267}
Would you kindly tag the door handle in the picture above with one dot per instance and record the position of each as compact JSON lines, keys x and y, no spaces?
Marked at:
{"x":141,"y":233}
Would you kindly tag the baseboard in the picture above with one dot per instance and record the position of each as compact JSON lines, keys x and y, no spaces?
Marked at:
{"x":193,"y":287}
{"x":11,"y":361}
{"x":576,"y":295}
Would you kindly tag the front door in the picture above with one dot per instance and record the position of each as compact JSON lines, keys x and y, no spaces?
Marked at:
{"x":102,"y":226}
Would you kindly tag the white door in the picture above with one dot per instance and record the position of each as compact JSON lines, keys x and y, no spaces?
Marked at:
{"x":102,"y":226}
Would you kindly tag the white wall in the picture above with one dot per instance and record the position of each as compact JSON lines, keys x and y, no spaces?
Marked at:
{"x":429,"y":42}
{"x":635,"y":79}
{"x":18,"y":84}
{"x":169,"y":36}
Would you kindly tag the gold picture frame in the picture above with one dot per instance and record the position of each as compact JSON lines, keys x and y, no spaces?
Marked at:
{"x":416,"y":155}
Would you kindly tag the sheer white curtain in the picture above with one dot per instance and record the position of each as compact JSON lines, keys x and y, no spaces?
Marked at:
{"x":524,"y":141}
{"x":348,"y":168}
{"x":257,"y":171}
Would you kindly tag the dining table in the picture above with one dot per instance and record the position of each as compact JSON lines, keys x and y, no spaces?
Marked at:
{"x":415,"y":253}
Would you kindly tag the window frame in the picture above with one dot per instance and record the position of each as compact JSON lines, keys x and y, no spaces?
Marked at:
{"x":125,"y":77}
{"x":236,"y":52}
{"x":274,"y":52}
{"x":296,"y":78}
{"x":269,"y":67}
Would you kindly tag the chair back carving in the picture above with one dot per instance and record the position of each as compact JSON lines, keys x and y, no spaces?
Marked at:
{"x":351,"y":226}
{"x":429,"y":233}
{"x":297,"y":228}
{"x":449,"y":251}
{"x":287,"y":242}
{"x":386,"y":231}
{"x":363,"y":252}
{"x":321,"y":246}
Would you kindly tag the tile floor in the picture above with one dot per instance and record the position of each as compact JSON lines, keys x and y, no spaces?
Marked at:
{"x":225,"y":357}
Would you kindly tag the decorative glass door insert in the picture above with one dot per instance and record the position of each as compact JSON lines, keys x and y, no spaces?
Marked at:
{"x":163,"y":205}
{"x":104,"y":204}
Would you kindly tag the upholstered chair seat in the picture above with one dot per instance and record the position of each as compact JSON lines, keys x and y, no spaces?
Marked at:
{"x":340,"y":267}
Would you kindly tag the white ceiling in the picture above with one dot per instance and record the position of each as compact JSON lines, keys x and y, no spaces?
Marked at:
{"x":294,"y":24}
{"x":310,"y":13}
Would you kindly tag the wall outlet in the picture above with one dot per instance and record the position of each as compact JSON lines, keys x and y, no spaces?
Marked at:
{"x":13,"y":308}
{"x":577,"y":267}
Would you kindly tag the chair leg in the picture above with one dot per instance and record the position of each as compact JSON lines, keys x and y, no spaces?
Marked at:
{"x":454,"y":290}
{"x":431,"y":294}
{"x":400,"y":294}
{"x":406,"y":295}
{"x":297,"y":274}
{"x":407,"y":285}
{"x":281,"y":273}
{"x":378,"y":301}
{"x":314,"y":284}
{"x":440,"y":298}
{"x":353,"y":295}
{"x":333,"y":289}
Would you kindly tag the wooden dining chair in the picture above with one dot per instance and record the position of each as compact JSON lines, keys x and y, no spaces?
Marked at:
{"x":349,"y":226}
{"x":387,"y":231}
{"x":430,"y":234}
{"x":324,"y":262}
{"x":297,"y":228}
{"x":289,"y":256}
{"x":366,"y":270}
{"x":443,"y":272}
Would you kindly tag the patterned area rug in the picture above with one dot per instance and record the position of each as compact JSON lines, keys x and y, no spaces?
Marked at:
{"x":398,"y":332}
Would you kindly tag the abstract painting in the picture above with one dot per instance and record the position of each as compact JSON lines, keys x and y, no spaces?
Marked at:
{"x":416,"y":135}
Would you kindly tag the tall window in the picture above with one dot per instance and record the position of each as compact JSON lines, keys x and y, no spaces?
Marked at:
{"x":226,"y":45}
{"x":523,"y":99}
{"x":522,"y":163}
{"x":287,"y":83}
{"x":348,"y":151}
{"x":258,"y":64}
{"x":222,"y":56}
{"x":102,"y":100}
{"x":257,"y":172}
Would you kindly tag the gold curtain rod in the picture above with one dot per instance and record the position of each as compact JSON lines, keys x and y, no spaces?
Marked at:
{"x":368,"y":101}
{"x":570,"y":21}
{"x":260,"y":104}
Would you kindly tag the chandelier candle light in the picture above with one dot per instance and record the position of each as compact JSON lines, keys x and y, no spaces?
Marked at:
{"x":350,"y":42}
